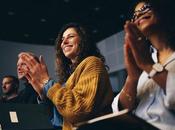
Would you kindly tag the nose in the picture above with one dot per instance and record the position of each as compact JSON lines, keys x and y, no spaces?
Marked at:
{"x":18,"y":69}
{"x":3,"y":86}
{"x":65,"y":41}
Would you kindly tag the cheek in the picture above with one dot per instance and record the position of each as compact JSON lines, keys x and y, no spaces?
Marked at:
{"x":61,"y":46}
{"x":76,"y":48}
{"x":8,"y":87}
{"x":77,"y":42}
{"x":23,"y":67}
{"x":155,"y":20}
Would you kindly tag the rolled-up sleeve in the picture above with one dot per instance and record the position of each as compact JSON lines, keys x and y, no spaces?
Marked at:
{"x":115,"y":102}
{"x":48,"y":85}
{"x":169,"y":99}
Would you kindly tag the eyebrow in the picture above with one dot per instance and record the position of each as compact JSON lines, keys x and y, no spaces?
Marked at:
{"x":69,"y":35}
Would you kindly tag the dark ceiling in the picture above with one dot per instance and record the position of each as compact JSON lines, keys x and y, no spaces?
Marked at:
{"x":38,"y":21}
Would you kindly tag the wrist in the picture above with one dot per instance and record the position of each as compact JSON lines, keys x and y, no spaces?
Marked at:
{"x":42,"y":97}
{"x":156,"y":68}
{"x":132,"y":80}
{"x":147,"y":67}
{"x":45,"y":81}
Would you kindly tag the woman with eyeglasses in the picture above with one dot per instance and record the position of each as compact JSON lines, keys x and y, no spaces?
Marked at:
{"x":149,"y":52}
{"x":83,"y":90}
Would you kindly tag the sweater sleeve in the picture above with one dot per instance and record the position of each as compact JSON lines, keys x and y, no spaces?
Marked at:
{"x":77,"y":98}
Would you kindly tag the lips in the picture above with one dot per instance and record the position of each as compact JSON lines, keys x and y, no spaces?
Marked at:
{"x":21,"y":73}
{"x":67,"y":47}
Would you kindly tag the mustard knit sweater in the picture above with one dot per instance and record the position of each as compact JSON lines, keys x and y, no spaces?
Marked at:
{"x":86,"y":94}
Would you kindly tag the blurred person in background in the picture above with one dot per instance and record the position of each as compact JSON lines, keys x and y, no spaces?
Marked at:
{"x":10,"y":86}
{"x":27,"y":94}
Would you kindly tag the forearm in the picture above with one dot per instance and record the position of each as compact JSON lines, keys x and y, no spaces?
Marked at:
{"x":127,"y":98}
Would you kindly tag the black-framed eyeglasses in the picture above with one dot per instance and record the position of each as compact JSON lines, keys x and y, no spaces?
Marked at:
{"x":145,"y":8}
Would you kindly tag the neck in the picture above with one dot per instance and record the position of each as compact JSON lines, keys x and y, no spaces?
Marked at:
{"x":13,"y":95}
{"x":163,"y":55}
{"x":73,"y":60}
{"x":158,"y":40}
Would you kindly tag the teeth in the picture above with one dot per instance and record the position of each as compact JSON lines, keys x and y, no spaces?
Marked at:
{"x":67,"y":48}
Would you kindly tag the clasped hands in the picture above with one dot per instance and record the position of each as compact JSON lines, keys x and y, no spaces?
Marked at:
{"x":36,"y":72}
{"x":136,"y":50}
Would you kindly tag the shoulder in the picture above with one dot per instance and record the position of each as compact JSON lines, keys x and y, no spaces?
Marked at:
{"x":91,"y":63}
{"x":92,"y":59}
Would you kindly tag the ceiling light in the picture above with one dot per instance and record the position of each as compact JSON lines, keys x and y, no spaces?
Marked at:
{"x":122,"y":16}
{"x":66,"y":1}
{"x":51,"y":39}
{"x":95,"y":31}
{"x":97,"y":8}
{"x":26,"y":35}
{"x":11,"y":13}
{"x":43,"y":20}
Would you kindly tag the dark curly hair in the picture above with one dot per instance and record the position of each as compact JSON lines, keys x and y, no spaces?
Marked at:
{"x":64,"y":66}
{"x":164,"y":11}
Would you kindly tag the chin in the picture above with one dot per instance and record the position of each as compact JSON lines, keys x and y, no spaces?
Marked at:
{"x":69,"y":56}
{"x":146,"y":29}
{"x":21,"y":76}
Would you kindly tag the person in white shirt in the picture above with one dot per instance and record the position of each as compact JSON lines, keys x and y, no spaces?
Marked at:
{"x":150,"y":85}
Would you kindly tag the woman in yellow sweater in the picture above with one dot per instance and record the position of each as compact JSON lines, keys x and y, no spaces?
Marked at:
{"x":87,"y":92}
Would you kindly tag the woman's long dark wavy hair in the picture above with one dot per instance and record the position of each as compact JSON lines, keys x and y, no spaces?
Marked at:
{"x":164,"y":11}
{"x":64,"y":66}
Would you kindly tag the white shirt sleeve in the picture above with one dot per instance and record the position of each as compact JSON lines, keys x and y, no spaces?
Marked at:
{"x":169,"y":99}
{"x":115,"y":102}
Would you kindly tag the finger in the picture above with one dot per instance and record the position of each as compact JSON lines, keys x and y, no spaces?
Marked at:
{"x":133,"y":35}
{"x":127,"y":52}
{"x":131,"y":48}
{"x":41,"y":60}
{"x":30,"y":60}
{"x":131,"y":28}
{"x":130,"y":40}
{"x":30,"y":55}
{"x":26,"y":61}
{"x":25,"y":53}
{"x":20,"y":54}
{"x":28,"y":77}
{"x":134,"y":29}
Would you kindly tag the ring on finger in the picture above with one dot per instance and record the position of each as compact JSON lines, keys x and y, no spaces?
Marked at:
{"x":139,"y":38}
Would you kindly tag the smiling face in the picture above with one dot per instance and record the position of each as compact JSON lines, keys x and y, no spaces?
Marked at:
{"x":21,"y":69}
{"x":70,"y":43}
{"x":144,"y":17}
